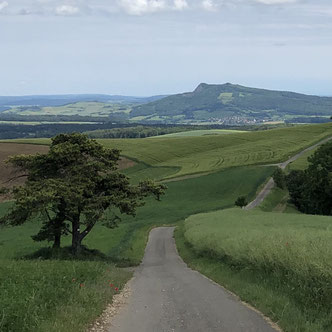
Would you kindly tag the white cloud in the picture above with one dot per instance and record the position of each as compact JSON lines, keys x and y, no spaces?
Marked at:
{"x":139,"y":7}
{"x":209,"y":5}
{"x":180,"y":4}
{"x":276,"y":2}
{"x":67,"y":10}
{"x":3,"y":5}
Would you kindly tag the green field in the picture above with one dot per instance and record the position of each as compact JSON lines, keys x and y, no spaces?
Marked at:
{"x":301,"y":163}
{"x":212,"y":153}
{"x":281,"y":263}
{"x":206,"y":132}
{"x":49,"y":310}
{"x":241,"y":254}
{"x":94,"y":109}
{"x":215,"y":152}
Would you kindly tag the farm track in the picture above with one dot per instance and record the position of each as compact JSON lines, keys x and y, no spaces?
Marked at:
{"x":168,"y":296}
{"x":270,"y":184}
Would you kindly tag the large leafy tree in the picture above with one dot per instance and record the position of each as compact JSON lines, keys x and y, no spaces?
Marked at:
{"x":311,"y":190}
{"x":73,"y":187}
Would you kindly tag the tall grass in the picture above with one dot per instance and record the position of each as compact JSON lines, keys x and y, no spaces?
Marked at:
{"x":55,"y":295}
{"x":294,"y":250}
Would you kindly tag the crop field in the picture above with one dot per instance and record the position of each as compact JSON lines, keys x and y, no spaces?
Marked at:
{"x":282,"y":256}
{"x":94,"y":109}
{"x":211,"y":153}
{"x":192,"y":133}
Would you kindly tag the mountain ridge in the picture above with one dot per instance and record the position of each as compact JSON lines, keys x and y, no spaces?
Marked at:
{"x":217,"y":102}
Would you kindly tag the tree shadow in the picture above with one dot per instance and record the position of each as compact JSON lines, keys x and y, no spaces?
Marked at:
{"x":66,"y":254}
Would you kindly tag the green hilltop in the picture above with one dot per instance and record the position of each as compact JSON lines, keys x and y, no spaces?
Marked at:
{"x":231,"y":104}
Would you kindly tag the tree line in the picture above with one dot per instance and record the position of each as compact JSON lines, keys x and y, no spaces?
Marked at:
{"x":310,"y":190}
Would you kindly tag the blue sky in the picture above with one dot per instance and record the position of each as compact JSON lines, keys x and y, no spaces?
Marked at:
{"x":148,"y":47}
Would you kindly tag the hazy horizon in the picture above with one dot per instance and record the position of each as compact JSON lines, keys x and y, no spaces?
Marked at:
{"x":153,"y":47}
{"x":146,"y":96}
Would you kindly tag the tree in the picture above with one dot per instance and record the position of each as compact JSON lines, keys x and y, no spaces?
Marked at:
{"x":311,"y":190}
{"x":241,"y":201}
{"x":73,"y":187}
{"x":279,"y":178}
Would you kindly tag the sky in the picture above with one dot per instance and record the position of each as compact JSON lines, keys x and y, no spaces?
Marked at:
{"x":151,"y":47}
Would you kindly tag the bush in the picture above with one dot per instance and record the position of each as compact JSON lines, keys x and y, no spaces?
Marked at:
{"x":241,"y":201}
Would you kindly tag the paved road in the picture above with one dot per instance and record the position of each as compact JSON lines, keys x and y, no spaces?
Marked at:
{"x":168,"y":296}
{"x":270,"y":184}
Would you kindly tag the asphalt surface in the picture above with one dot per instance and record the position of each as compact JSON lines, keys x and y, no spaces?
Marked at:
{"x":270,"y":184}
{"x":168,"y":296}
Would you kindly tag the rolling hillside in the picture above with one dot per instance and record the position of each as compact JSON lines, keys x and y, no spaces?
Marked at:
{"x":27,"y":281}
{"x":210,"y":153}
{"x":235,"y":104}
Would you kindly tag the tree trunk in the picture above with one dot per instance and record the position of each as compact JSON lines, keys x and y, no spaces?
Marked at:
{"x":57,"y":240}
{"x":76,"y":244}
{"x":76,"y":237}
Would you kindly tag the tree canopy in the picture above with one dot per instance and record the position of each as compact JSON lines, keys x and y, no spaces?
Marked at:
{"x":74,"y":186}
{"x":311,"y":190}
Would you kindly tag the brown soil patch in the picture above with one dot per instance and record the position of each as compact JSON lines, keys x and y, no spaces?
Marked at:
{"x":11,"y":149}
{"x":125,"y":163}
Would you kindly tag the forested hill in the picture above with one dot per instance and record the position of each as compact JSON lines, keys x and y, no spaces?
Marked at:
{"x":209,"y":101}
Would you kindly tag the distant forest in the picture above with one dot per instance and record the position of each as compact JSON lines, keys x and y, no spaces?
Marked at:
{"x":111,"y":129}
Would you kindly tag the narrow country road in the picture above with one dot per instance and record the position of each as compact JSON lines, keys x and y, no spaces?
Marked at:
{"x":270,"y":184}
{"x":168,"y":296}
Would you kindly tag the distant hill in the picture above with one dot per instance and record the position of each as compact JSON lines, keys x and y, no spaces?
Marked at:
{"x":60,"y":100}
{"x":231,"y":104}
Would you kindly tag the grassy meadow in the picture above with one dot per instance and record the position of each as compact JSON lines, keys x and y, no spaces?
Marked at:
{"x":280,"y":263}
{"x":205,"y":132}
{"x":301,"y":163}
{"x":41,"y":284}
